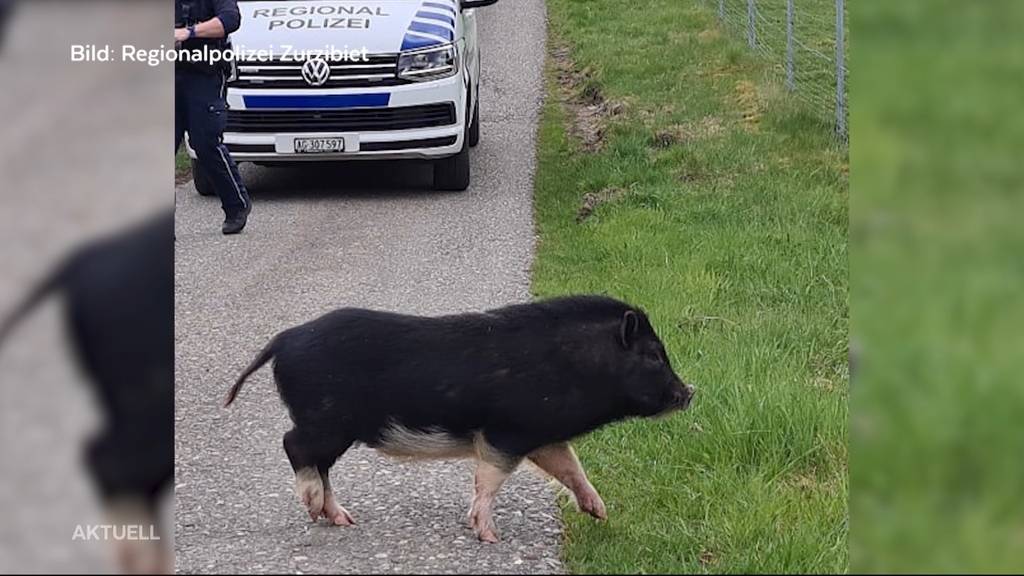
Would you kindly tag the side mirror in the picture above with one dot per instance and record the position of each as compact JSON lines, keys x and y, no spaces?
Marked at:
{"x":467,"y":4}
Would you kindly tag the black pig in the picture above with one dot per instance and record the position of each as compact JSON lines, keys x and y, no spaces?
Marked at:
{"x":119,"y":307}
{"x":501,"y":386}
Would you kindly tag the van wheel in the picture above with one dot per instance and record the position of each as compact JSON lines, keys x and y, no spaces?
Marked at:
{"x":474,"y":126}
{"x":452,"y":173}
{"x":203,"y":185}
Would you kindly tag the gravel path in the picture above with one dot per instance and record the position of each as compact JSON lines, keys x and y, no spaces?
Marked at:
{"x":359,"y":235}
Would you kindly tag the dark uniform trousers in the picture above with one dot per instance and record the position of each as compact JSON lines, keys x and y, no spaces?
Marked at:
{"x":201,"y":110}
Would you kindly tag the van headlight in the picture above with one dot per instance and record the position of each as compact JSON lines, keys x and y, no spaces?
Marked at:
{"x":429,"y":64}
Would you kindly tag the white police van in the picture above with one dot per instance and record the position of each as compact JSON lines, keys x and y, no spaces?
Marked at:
{"x":329,"y":80}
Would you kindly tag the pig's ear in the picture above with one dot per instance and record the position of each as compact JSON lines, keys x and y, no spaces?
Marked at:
{"x":628,"y":329}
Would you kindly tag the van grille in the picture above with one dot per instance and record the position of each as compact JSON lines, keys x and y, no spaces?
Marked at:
{"x":354,"y":119}
{"x":379,"y":70}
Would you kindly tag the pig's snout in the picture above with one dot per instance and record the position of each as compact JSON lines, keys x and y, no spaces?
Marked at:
{"x":682,"y":396}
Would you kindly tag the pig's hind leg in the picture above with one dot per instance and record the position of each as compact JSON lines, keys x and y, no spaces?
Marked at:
{"x":332,"y":510}
{"x":486,"y":483}
{"x":492,"y":469}
{"x":311,"y":460}
{"x":309,"y":487}
{"x":560,"y":461}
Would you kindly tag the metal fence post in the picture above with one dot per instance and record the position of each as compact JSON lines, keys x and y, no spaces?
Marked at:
{"x":790,"y":81}
{"x":721,"y":10}
{"x":751,"y":24}
{"x":840,"y":70}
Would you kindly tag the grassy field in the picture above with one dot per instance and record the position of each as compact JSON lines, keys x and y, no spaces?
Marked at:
{"x":814,"y":44}
{"x":936,"y":453}
{"x":672,"y":175}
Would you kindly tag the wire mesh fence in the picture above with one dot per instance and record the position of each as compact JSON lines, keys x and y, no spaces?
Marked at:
{"x":805,"y":43}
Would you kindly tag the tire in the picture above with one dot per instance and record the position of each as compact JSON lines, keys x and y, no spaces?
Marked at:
{"x":203,"y":185}
{"x":473,"y":137}
{"x":452,"y":173}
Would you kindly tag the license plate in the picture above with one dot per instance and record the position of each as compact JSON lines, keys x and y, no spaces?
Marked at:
{"x":319,"y":145}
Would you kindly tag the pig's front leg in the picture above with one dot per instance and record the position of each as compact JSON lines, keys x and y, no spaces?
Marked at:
{"x":560,"y":461}
{"x":488,"y":480}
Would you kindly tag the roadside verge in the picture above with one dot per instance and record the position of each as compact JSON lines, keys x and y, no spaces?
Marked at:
{"x":670,"y":174}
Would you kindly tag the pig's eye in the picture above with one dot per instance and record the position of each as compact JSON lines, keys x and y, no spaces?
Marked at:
{"x":654,"y":357}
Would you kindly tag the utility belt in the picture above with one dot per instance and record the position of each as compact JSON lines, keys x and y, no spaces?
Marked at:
{"x":204,"y":56}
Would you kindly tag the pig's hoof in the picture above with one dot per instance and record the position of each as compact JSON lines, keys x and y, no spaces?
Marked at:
{"x":593,"y":505}
{"x":338,"y":516}
{"x":483,"y":526}
{"x":488,"y":536}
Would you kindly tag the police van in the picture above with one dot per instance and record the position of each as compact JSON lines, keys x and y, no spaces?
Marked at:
{"x":329,"y":80}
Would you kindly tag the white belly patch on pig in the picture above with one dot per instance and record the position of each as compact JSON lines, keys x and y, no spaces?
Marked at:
{"x":433,"y":443}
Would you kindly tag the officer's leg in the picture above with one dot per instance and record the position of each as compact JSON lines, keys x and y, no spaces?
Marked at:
{"x":207,"y":118}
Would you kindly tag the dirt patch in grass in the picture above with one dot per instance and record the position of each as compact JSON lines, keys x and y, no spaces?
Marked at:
{"x":708,"y":127}
{"x":691,"y":176}
{"x":587,"y":107}
{"x":830,"y":375}
{"x":696,"y":323}
{"x":708,"y":36}
{"x":592,"y":200}
{"x":708,"y":558}
{"x":808,"y":481}
{"x":804,"y":482}
{"x":749,"y":101}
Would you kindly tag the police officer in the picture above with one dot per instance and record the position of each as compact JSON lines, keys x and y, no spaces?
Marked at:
{"x":200,"y":105}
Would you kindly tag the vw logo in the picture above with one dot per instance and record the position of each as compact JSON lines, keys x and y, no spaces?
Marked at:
{"x":316,"y":71}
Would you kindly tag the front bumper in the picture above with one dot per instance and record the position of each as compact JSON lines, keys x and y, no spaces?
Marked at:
{"x":253,"y":144}
{"x":418,"y":144}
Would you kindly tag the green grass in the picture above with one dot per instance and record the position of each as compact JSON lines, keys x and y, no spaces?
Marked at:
{"x":937,"y":454}
{"x":182,"y":167}
{"x":733,"y":238}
